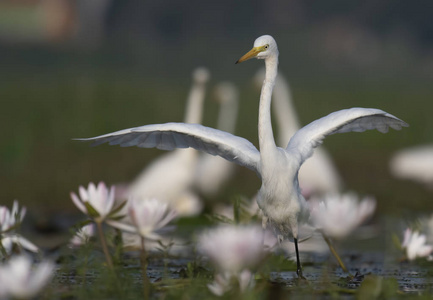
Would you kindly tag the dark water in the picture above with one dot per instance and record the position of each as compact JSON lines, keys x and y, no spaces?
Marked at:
{"x":411,"y":277}
{"x":370,"y":254}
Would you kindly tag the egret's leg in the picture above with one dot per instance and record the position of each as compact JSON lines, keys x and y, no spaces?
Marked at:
{"x":340,"y":262}
{"x":298,"y":262}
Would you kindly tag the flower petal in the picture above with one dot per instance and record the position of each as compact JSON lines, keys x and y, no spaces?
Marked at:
{"x":122,"y":226}
{"x":78,"y":203}
{"x":25,"y":243}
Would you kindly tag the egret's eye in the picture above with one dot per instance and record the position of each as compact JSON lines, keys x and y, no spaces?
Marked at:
{"x":266,"y":47}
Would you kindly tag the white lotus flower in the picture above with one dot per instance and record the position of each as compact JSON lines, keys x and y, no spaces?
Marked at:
{"x":100,"y":199}
{"x":414,"y":244}
{"x":9,"y":221}
{"x":172,"y":246}
{"x":8,"y":218}
{"x":10,"y":239}
{"x":225,"y":282}
{"x":233,"y":248}
{"x":82,"y":236}
{"x":19,"y":278}
{"x":338,"y":215}
{"x":149,"y":217}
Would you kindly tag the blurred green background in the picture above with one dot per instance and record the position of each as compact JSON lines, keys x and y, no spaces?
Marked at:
{"x":84,"y":68}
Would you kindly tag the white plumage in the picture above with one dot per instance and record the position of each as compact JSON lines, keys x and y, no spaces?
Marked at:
{"x":170,"y":177}
{"x":415,"y":163}
{"x":317,"y":175}
{"x":213,"y":171}
{"x":279,"y":197}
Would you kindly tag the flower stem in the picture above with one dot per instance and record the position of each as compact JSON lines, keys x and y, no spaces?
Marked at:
{"x":143,"y":258}
{"x":340,"y":262}
{"x":104,"y":245}
{"x":3,"y":250}
{"x":86,"y":260}
{"x":118,"y":241}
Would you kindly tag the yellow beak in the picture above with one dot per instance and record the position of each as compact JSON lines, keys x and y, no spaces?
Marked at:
{"x":252,"y":53}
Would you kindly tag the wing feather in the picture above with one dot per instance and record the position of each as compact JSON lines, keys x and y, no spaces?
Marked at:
{"x":169,"y":136}
{"x":135,"y":140}
{"x":354,"y":119}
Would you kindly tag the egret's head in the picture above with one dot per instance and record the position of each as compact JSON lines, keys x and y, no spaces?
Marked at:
{"x":201,"y":75}
{"x":264,"y":47}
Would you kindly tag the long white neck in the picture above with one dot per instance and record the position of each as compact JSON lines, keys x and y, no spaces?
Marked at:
{"x":194,"y":105}
{"x":266,"y":136}
{"x":284,"y":111}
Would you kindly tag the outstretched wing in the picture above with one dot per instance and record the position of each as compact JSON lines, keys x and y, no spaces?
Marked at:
{"x":355,"y":119}
{"x":170,"y":136}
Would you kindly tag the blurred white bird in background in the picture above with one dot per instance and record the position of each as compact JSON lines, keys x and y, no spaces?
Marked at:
{"x":415,"y":163}
{"x":213,"y":171}
{"x":170,"y":178}
{"x":318,"y":175}
{"x":279,"y":197}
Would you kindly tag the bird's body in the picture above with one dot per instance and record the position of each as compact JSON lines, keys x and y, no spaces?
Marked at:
{"x":414,"y":163}
{"x":317,"y":175}
{"x":166,"y":178}
{"x":279,"y":196}
{"x":213,"y":171}
{"x":170,"y":178}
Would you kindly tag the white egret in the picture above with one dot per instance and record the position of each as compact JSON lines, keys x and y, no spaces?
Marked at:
{"x":213,"y":171}
{"x":415,"y":163}
{"x":317,"y":175}
{"x":170,"y":178}
{"x":279,"y":197}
